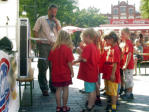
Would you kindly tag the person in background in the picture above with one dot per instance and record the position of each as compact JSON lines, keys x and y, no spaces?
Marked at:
{"x":79,"y":52}
{"x":101,"y":57}
{"x":128,"y":66}
{"x":46,"y":28}
{"x":104,"y":50}
{"x":141,"y":39}
{"x":122,"y":84}
{"x":137,"y":58}
{"x":61,"y":57}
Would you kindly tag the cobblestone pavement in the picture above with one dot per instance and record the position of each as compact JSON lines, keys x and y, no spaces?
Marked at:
{"x":77,"y":100}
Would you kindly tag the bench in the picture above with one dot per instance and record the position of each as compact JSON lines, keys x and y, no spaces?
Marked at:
{"x":142,"y":62}
{"x":25,"y":80}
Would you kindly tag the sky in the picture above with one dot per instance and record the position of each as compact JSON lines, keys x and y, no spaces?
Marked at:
{"x":105,"y":5}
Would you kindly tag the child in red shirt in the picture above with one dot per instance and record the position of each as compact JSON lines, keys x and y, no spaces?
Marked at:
{"x":128,"y":64}
{"x":111,"y":70}
{"x":121,"y":45}
{"x":88,"y":70}
{"x":61,"y":57}
{"x":103,"y":59}
{"x":100,"y":65}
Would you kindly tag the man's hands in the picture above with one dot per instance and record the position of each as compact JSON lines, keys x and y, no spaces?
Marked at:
{"x":55,"y":20}
{"x":52,"y":43}
{"x":58,"y":27}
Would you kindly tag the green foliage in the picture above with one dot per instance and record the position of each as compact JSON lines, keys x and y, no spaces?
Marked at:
{"x":68,"y":14}
{"x":89,"y":18}
{"x":145,"y":9}
{"x":36,"y":8}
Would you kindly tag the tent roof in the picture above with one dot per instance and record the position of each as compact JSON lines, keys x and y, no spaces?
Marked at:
{"x":122,"y":26}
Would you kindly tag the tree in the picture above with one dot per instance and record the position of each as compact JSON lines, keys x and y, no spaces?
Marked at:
{"x":36,"y":8}
{"x":89,"y":18}
{"x":86,"y":18}
{"x":68,"y":14}
{"x":145,"y":9}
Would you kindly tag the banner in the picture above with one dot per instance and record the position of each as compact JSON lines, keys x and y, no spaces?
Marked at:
{"x":4,"y":84}
{"x":129,"y":21}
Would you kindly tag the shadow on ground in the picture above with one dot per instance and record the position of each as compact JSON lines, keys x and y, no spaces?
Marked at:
{"x":76,"y":102}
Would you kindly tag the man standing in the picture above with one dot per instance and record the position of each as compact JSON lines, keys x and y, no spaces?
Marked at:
{"x":46,"y":28}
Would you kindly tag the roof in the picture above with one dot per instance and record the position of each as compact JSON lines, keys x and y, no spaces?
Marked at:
{"x":122,"y":3}
{"x":122,"y":26}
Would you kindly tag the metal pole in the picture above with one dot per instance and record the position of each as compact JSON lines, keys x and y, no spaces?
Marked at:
{"x":35,"y":10}
{"x":7,"y":26}
{"x":17,"y":26}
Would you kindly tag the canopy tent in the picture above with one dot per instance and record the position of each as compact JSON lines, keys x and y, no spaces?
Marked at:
{"x":122,"y":26}
{"x":104,"y":27}
{"x":72,"y":29}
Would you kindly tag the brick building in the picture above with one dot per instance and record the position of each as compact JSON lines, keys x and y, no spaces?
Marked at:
{"x":123,"y":10}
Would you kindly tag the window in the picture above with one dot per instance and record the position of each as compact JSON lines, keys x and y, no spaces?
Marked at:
{"x":131,"y":11}
{"x":123,"y":17}
{"x":123,"y":9}
{"x":115,"y":11}
{"x":131,"y":17}
{"x":115,"y":17}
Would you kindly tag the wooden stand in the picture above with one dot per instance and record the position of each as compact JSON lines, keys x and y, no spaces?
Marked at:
{"x":29,"y":79}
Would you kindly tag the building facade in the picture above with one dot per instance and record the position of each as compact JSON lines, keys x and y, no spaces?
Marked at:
{"x":123,"y":10}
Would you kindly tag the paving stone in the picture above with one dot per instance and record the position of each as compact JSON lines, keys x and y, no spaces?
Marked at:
{"x":77,"y":100}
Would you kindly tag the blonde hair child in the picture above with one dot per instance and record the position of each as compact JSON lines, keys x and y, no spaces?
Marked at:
{"x":88,"y":70}
{"x":61,"y":57}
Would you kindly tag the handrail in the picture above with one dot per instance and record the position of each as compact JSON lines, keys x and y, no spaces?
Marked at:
{"x":36,"y":39}
{"x":33,"y":38}
{"x":31,"y":57}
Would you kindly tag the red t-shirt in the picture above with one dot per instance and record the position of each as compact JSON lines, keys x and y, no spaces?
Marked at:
{"x":88,"y":71}
{"x":102,"y":59}
{"x":59,"y":59}
{"x":122,"y":63}
{"x":127,"y":49}
{"x":113,"y":56}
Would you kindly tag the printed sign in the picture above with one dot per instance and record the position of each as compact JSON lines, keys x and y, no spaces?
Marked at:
{"x":129,"y":21}
{"x":4,"y":84}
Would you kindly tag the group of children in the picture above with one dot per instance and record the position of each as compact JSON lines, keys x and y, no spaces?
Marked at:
{"x":96,"y":56}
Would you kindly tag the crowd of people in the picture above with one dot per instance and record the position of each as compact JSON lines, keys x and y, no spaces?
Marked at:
{"x":109,"y":54}
{"x":113,"y":57}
